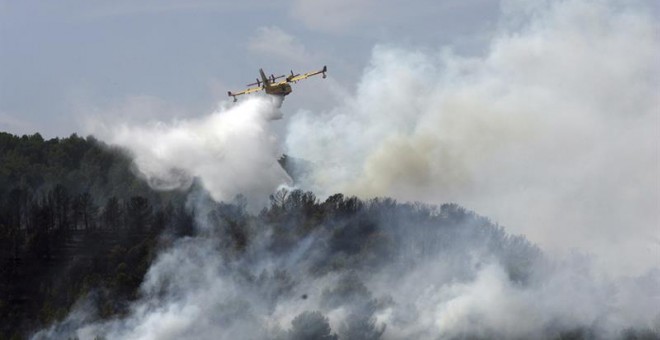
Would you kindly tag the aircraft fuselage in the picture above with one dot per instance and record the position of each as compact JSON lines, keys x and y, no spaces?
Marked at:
{"x":279,"y":89}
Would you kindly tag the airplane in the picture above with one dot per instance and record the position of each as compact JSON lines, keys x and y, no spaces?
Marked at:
{"x":274,"y":87}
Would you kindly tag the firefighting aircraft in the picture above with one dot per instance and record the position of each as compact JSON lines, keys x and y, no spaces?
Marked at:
{"x":274,"y":87}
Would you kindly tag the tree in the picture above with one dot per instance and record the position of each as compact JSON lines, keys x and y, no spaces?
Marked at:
{"x":17,"y":208}
{"x":311,"y":325}
{"x":87,"y":210}
{"x":112,"y":213}
{"x":361,"y":327}
{"x":279,"y":198}
{"x":61,"y":201}
{"x":41,"y":219}
{"x":138,"y":213}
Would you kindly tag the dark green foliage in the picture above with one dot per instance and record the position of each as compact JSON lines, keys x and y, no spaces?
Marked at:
{"x":138,"y":213}
{"x":77,"y":225}
{"x":74,"y":221}
{"x":112,"y":214}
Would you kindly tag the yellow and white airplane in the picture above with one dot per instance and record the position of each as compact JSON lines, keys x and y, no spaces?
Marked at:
{"x":274,"y":87}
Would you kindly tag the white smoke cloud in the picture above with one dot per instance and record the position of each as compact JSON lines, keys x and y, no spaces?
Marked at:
{"x":565,"y":297}
{"x":232,"y":151}
{"x":460,"y":287}
{"x":553,"y":132}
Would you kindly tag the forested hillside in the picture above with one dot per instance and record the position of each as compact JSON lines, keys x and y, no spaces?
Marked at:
{"x":89,"y":250}
{"x":74,"y":219}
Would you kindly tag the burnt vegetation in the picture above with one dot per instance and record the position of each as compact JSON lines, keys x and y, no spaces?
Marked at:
{"x":77,"y":226}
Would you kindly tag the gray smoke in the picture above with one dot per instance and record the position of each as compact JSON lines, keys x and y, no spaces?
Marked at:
{"x":552,"y":132}
{"x":374,"y":270}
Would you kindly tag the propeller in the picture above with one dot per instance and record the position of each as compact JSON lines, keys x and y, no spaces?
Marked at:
{"x":258,"y":83}
{"x":292,"y":76}
{"x":273,"y":78}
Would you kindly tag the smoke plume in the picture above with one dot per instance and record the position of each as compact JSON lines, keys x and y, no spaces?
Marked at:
{"x":552,"y":132}
{"x":232,"y":151}
{"x":349,"y":269}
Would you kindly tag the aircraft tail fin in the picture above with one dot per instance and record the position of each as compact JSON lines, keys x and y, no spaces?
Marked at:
{"x":263,"y":77}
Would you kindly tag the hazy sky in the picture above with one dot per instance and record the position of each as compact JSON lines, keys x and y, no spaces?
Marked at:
{"x":551,"y":106}
{"x":61,"y":61}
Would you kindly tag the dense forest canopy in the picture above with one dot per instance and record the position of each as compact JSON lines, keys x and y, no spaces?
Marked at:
{"x":88,"y":249}
{"x":71,"y":213}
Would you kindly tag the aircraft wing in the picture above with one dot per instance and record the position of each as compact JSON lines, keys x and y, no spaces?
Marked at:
{"x":279,"y":83}
{"x":307,"y":75}
{"x":246,"y":91}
